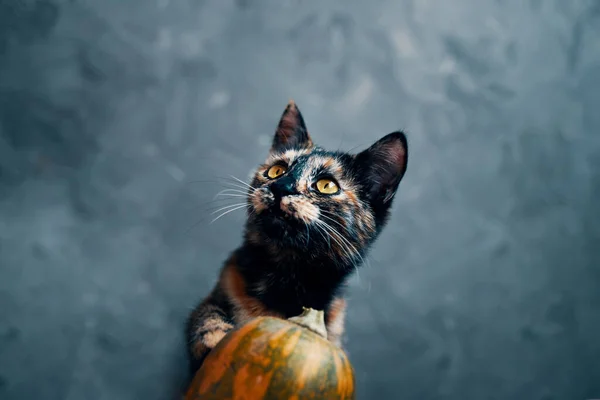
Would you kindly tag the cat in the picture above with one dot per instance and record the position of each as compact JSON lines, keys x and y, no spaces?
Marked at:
{"x":312,"y":216}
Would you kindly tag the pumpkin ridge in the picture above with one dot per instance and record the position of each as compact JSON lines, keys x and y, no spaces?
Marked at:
{"x":347,"y":371}
{"x":219,"y":361}
{"x":311,"y":362}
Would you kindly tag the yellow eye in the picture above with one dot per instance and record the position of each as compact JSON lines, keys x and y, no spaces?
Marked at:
{"x":276,"y":171}
{"x":327,"y":186}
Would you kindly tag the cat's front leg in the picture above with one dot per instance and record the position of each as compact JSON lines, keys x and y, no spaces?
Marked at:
{"x":334,"y":320}
{"x":207,"y":325}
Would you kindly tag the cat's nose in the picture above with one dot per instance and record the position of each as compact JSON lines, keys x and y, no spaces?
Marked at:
{"x":284,"y":186}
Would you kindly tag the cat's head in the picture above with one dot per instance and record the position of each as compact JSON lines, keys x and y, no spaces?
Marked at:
{"x":326,"y":202}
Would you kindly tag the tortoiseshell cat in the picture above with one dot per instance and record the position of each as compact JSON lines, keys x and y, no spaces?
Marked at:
{"x":312,"y":216}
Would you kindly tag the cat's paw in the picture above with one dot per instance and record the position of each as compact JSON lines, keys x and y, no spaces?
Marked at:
{"x":213,"y":330}
{"x":208,"y":335}
{"x":211,"y":338}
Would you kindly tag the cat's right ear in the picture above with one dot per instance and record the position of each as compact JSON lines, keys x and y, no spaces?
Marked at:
{"x":291,"y":132}
{"x":382,"y":167}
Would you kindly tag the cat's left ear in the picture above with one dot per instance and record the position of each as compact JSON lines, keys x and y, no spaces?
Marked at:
{"x":291,"y":132}
{"x":383,"y":165}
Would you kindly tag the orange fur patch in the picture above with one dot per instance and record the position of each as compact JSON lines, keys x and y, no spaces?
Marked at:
{"x":335,"y":320}
{"x":215,"y":324}
{"x":257,"y":202}
{"x":300,"y":208}
{"x":245,"y":307}
{"x":199,"y":349}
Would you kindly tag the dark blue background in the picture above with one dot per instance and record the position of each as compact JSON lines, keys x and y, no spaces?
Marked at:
{"x":485,"y":285}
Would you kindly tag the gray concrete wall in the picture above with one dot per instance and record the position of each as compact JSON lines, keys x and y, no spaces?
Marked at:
{"x":486,"y":283}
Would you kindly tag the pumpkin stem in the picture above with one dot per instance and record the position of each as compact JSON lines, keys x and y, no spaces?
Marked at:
{"x":312,"y":319}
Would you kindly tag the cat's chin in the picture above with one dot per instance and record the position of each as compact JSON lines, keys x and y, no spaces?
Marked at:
{"x":282,"y":229}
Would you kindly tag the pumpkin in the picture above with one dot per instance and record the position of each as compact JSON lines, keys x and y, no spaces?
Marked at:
{"x":273,"y":358}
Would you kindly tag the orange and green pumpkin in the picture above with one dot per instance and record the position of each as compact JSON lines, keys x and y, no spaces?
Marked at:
{"x":273,"y":358}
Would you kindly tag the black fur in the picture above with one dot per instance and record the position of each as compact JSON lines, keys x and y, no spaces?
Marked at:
{"x":289,"y":284}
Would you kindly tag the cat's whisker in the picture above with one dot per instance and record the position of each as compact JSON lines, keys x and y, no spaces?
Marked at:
{"x":232,"y":191}
{"x":307,"y":235}
{"x":229,"y":206}
{"x":228,"y":211}
{"x":226,"y":195}
{"x":238,"y":186}
{"x":323,"y":233}
{"x":337,"y":238}
{"x":344,"y":248}
{"x":347,"y":241}
{"x":221,"y":204}
{"x":324,"y":215}
{"x":210,"y":205}
{"x":226,"y":180}
{"x":243,"y":183}
{"x":344,"y":244}
{"x":347,"y":252}
{"x":324,"y":236}
{"x":234,"y":186}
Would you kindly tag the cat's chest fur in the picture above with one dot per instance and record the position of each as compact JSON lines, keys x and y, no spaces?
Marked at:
{"x":286,"y":287}
{"x":288,"y":297}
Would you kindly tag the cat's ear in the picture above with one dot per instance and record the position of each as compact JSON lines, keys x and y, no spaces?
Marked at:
{"x":382,"y":166}
{"x":291,"y":132}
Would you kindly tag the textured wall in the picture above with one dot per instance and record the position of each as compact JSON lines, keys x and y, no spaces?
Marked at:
{"x":485,"y":285}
